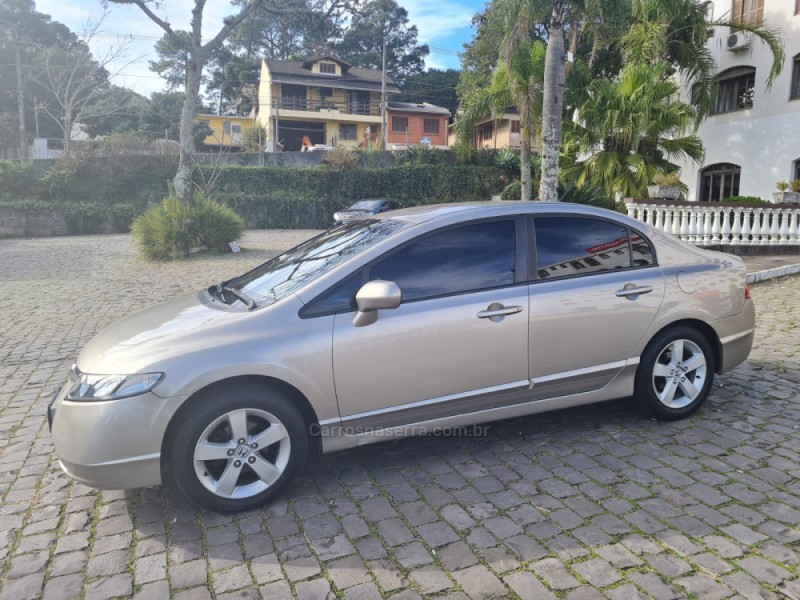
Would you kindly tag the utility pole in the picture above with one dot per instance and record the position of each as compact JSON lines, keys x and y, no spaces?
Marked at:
{"x":23,"y":134}
{"x":383,"y":92}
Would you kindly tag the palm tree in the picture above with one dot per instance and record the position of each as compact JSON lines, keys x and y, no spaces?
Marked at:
{"x":517,"y":81}
{"x":630,"y":130}
{"x":676,"y":31}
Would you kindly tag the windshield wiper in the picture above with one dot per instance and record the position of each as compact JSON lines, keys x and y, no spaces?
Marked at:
{"x":251,"y":304}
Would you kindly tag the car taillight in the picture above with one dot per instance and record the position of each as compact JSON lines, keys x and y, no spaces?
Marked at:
{"x":746,"y":292}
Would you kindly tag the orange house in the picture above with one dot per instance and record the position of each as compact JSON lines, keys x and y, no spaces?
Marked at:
{"x":409,"y":124}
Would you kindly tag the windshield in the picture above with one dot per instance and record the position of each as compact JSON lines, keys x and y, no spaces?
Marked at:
{"x":287,"y":273}
{"x":367,"y":205}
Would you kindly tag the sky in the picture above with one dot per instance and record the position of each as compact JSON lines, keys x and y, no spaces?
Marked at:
{"x":445,"y":25}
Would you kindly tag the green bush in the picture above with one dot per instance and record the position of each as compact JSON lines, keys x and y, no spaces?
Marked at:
{"x":171,"y":229}
{"x":586,"y":194}
{"x":94,"y":217}
{"x":17,"y":180}
{"x":513,"y":191}
{"x":445,"y":183}
{"x":341,"y":158}
{"x":746,"y":200}
{"x":508,"y":159}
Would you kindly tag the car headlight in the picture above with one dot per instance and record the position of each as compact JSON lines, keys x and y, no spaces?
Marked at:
{"x":87,"y":387}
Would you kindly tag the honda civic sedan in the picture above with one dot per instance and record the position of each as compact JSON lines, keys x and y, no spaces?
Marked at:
{"x":402,"y":323}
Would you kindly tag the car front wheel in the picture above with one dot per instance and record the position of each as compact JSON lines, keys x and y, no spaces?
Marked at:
{"x":675,"y":374}
{"x":237,"y":449}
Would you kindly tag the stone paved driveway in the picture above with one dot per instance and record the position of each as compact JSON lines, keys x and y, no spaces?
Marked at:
{"x":586,"y":503}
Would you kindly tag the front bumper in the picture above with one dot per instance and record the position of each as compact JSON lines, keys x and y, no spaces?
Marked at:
{"x":113,"y":444}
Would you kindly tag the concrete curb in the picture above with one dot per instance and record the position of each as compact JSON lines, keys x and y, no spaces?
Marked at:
{"x":768,"y":274}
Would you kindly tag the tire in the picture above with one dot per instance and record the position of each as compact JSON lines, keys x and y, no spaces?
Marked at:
{"x":670,"y":387}
{"x":238,"y":448}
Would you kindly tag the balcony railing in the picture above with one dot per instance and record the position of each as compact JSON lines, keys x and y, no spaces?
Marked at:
{"x":720,"y":224}
{"x":350,"y":108}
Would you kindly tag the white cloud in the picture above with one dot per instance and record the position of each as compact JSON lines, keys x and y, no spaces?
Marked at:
{"x":435,"y":20}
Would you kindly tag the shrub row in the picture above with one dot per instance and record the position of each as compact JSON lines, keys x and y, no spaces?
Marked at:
{"x":445,"y":183}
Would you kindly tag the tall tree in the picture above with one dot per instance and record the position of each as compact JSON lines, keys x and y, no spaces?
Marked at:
{"x":197,"y":55}
{"x":553,"y":105}
{"x":75,"y":83}
{"x":362,"y":43}
{"x":24,"y":33}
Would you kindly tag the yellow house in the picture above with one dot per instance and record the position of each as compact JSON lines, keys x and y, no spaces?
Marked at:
{"x":226,"y":131}
{"x":495,"y":134}
{"x":323,"y":99}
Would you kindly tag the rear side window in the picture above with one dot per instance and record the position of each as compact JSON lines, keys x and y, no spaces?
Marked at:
{"x":463,"y":259}
{"x":568,"y":246}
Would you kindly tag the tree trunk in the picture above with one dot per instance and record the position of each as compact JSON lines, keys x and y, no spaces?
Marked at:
{"x":525,"y":163}
{"x":552,"y":109}
{"x":183,"y":178}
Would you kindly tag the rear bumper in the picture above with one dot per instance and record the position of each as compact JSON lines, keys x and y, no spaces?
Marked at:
{"x":736,"y":335}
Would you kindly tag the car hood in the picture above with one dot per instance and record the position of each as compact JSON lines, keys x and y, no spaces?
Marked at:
{"x":143,"y":340}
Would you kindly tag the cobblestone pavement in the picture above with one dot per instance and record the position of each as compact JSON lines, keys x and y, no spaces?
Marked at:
{"x":585,"y":503}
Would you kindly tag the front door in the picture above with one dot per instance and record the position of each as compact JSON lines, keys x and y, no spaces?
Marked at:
{"x":457,"y":343}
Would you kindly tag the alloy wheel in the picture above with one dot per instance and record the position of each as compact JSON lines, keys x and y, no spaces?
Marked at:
{"x":242,"y":453}
{"x":679,"y":373}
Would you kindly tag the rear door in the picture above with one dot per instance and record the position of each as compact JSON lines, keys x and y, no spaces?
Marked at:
{"x":595,"y":291}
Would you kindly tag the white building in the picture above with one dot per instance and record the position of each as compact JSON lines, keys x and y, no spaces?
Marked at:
{"x":752,"y":139}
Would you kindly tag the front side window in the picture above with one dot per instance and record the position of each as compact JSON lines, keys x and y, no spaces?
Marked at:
{"x":568,"y":246}
{"x":736,"y":90}
{"x":430,"y":126}
{"x":719,"y":182}
{"x":464,"y":259}
{"x":400,"y":124}
{"x":795,"y":91}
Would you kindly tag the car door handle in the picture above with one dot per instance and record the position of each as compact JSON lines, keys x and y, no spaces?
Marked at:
{"x":634,"y":290}
{"x":501,"y":311}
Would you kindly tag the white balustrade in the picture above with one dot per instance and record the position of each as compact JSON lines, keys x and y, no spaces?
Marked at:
{"x":707,"y":224}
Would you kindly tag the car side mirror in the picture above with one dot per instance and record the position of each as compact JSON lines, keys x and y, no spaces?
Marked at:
{"x":373,"y":296}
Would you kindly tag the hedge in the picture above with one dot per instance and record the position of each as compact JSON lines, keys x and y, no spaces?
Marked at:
{"x":102,"y":191}
{"x":407,"y":184}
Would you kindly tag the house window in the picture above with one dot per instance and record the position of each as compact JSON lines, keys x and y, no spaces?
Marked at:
{"x":736,"y":90}
{"x":748,"y":11}
{"x":487,"y":133}
{"x":226,"y":128}
{"x":325,"y":92}
{"x":236,"y":128}
{"x":516,"y":127}
{"x":328,"y":68}
{"x":796,"y":169}
{"x":719,"y":182}
{"x":347,"y":132}
{"x":430,"y":126}
{"x":400,"y":124}
{"x":795,"y":91}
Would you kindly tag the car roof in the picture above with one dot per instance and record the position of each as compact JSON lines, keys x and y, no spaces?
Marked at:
{"x":477,"y":210}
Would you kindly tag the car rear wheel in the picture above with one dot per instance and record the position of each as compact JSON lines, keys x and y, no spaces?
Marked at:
{"x":675,"y":374}
{"x":238,"y":448}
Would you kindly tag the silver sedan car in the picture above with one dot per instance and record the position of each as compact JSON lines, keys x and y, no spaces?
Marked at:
{"x":404,"y":323}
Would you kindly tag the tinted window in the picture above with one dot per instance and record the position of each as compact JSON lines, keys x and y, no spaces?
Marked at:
{"x":340,"y":298}
{"x":474,"y":257}
{"x":568,"y":246}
